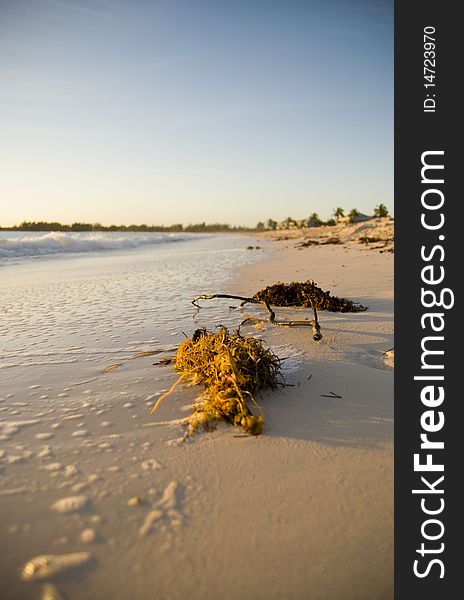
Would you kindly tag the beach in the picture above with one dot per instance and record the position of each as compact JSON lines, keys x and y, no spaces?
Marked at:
{"x":304,"y":511}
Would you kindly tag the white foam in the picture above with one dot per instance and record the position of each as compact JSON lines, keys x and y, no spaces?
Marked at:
{"x":30,"y":244}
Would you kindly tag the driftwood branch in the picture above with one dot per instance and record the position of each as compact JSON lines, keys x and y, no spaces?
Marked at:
{"x":314,"y":323}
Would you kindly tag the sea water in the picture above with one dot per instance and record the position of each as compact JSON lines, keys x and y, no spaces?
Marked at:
{"x":25,"y":244}
{"x":73,"y":297}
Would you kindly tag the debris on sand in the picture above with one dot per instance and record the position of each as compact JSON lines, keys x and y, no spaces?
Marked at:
{"x":308,"y":294}
{"x":231,"y":368}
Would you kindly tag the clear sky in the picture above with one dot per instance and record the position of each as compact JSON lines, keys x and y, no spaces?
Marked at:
{"x":160,"y":112}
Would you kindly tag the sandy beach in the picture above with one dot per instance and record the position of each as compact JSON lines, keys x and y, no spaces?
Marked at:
{"x":304,"y":511}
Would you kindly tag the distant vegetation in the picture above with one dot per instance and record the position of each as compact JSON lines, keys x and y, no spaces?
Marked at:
{"x":54,"y":226}
{"x":354,"y":216}
{"x":381,"y":211}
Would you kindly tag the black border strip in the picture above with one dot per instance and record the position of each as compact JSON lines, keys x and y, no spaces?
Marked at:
{"x":417,"y":132}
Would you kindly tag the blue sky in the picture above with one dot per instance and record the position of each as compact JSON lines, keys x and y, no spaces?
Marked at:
{"x":119,"y":111}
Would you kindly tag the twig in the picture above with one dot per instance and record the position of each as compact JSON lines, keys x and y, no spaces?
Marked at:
{"x":161,"y":398}
{"x":164,"y":361}
{"x":332,"y":395}
{"x":314,"y":324}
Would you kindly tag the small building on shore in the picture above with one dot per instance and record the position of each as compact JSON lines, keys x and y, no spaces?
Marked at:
{"x":359,"y":218}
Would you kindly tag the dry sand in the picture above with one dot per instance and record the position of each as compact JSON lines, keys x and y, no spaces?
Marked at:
{"x":304,"y":511}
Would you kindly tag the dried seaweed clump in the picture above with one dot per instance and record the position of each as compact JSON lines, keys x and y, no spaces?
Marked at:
{"x":306,"y":294}
{"x":232,"y":368}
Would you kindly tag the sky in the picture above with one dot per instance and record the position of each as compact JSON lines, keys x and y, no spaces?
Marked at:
{"x":162,"y":112}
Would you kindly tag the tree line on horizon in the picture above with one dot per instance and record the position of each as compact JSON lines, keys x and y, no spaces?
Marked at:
{"x":312,"y":221}
{"x":177,"y":227}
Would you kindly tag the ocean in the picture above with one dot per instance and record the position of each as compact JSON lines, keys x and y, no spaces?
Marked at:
{"x":24,"y":244}
{"x":82,"y":297}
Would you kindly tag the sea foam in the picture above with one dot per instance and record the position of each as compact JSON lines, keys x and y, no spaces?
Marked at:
{"x":31,"y":244}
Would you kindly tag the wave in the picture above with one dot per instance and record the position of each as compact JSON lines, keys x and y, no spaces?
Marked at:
{"x":15,"y":245}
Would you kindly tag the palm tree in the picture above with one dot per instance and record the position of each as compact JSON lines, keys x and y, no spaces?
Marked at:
{"x":314,"y":220}
{"x":338,"y":213}
{"x":271,"y":224}
{"x":381,"y":211}
{"x":290,"y":223}
{"x":353,"y":215}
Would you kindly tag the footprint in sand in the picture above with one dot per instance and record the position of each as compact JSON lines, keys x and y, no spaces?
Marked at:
{"x":50,"y":592}
{"x":88,"y":536}
{"x":49,"y":565}
{"x":164,"y":509}
{"x":70,"y":504}
{"x":150,"y":465}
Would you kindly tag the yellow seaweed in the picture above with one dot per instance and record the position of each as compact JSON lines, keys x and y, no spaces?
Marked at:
{"x":231,"y":368}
